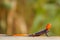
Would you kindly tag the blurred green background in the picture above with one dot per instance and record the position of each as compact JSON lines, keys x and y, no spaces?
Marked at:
{"x":38,"y":13}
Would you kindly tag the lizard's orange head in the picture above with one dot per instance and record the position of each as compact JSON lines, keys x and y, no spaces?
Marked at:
{"x":48,"y":26}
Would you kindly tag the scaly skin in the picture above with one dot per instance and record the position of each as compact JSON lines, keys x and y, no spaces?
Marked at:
{"x":45,"y":31}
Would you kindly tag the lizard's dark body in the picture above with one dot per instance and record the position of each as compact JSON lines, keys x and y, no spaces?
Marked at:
{"x":40,"y":33}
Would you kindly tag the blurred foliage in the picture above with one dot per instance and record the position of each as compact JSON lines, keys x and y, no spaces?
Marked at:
{"x":49,"y":12}
{"x":45,"y":11}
